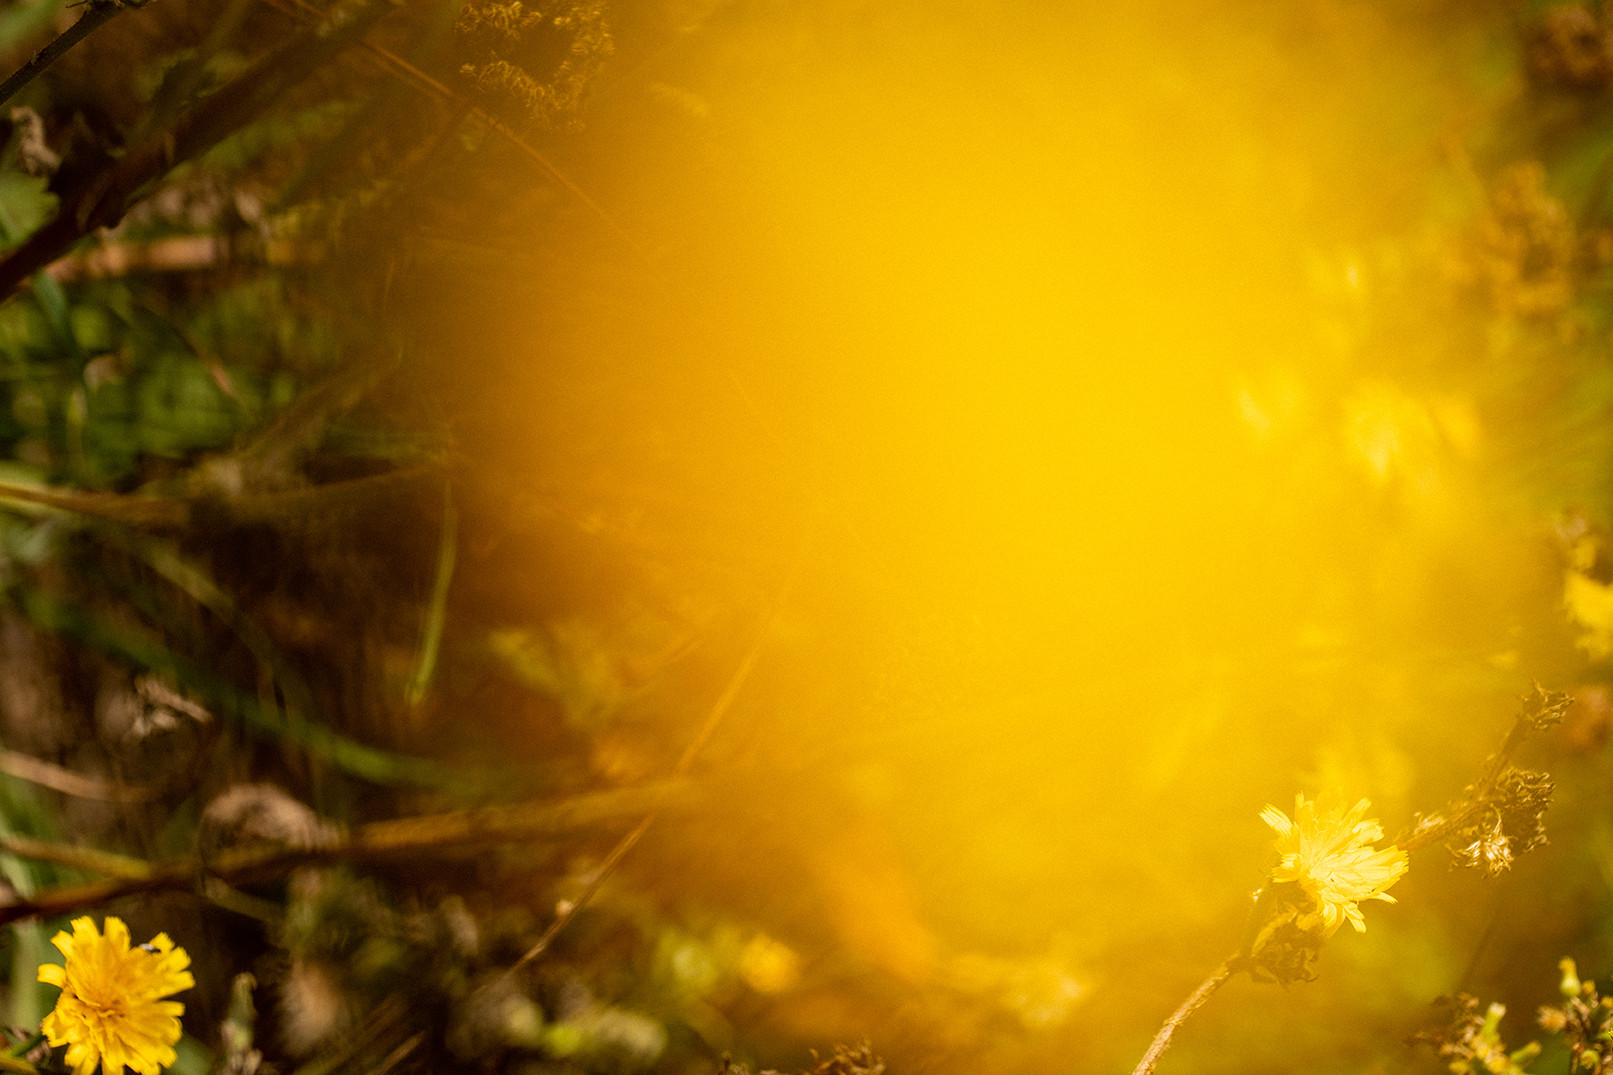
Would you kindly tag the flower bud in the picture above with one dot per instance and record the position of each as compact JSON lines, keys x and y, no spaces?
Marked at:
{"x":1570,"y":985}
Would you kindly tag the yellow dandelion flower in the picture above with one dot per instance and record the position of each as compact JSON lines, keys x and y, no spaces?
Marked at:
{"x":1329,"y":853}
{"x":111,"y":1009}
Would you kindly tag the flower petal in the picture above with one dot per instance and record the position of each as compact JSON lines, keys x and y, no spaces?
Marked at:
{"x":109,"y":1012}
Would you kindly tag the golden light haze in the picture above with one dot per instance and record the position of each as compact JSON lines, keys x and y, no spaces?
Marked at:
{"x":1092,"y":368}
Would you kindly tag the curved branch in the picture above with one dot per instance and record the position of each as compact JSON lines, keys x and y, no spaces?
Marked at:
{"x":1193,"y":1003}
{"x":451,"y":833}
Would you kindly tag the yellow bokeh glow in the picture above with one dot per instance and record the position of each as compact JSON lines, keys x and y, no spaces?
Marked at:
{"x":1033,"y":340}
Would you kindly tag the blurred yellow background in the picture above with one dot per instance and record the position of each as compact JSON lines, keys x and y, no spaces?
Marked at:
{"x":1100,"y":376}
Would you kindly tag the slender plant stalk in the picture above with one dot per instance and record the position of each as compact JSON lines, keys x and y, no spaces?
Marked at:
{"x":176,"y":254}
{"x":569,"y":910}
{"x":1193,"y":1003}
{"x":113,"y":507}
{"x":437,"y":609}
{"x":47,"y":775}
{"x":88,"y":859}
{"x":449,"y":833}
{"x":714,"y":717}
{"x":166,"y":512}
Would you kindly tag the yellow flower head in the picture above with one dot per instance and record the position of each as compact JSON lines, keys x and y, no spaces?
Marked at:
{"x":1329,"y":853}
{"x":111,"y":1009}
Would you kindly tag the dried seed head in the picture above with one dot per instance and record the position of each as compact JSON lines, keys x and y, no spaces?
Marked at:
{"x":1508,"y":820}
{"x":532,"y":60}
{"x":1544,"y":709}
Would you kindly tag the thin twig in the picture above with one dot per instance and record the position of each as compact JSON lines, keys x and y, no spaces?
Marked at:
{"x":88,"y":859}
{"x":437,"y":608}
{"x":176,"y":254}
{"x":397,"y":1056}
{"x":56,"y":778}
{"x":569,"y":909}
{"x":1458,"y":815}
{"x":134,"y":510}
{"x":421,"y":80}
{"x":719,"y":709}
{"x":1195,"y":1000}
{"x":162,"y":512}
{"x":386,"y":1016}
{"x":100,"y":11}
{"x":453,"y":833}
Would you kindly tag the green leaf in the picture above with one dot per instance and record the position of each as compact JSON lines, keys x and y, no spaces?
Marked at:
{"x":19,"y":22}
{"x":25,"y":205}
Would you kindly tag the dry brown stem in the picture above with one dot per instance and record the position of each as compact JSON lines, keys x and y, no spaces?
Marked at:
{"x":450,"y":833}
{"x":1193,"y":1003}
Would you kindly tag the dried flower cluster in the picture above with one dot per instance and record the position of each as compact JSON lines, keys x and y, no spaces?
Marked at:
{"x":1470,"y":1043}
{"x":1585,"y":1020}
{"x":532,"y":61}
{"x":1502,"y":814}
{"x":1510,"y":822}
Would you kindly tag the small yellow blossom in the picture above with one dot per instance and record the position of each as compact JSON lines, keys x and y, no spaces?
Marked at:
{"x":111,"y":1009}
{"x":768,"y":965}
{"x":1329,"y":853}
